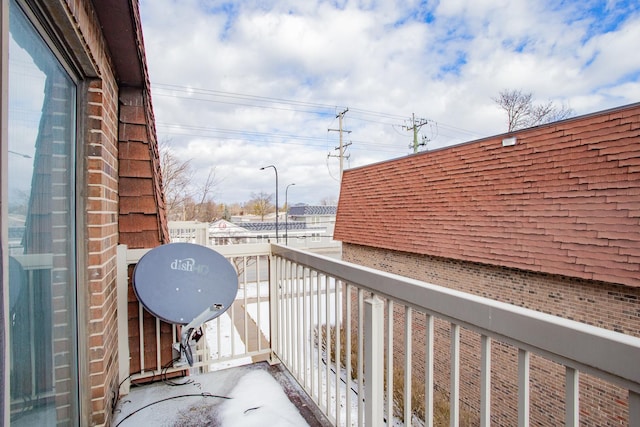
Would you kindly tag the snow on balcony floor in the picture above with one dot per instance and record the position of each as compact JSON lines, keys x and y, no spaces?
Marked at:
{"x":246,"y":396}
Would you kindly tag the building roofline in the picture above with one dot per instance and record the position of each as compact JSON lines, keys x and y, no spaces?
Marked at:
{"x":505,"y":134}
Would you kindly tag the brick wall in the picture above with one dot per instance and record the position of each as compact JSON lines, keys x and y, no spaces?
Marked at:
{"x":609,"y":306}
{"x":102,"y":231}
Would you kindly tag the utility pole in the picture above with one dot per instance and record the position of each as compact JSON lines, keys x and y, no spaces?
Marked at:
{"x":416,"y":125}
{"x":342,"y":146}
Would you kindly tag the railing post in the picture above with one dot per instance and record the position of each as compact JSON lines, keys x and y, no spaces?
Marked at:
{"x":523,"y":388}
{"x":634,"y":409}
{"x":122,"y":281}
{"x":373,"y":364}
{"x":274,"y":325}
{"x":572,"y":397}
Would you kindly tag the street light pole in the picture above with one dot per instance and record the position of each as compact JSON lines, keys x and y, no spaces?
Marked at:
{"x":276,"y":171}
{"x":286,"y":214}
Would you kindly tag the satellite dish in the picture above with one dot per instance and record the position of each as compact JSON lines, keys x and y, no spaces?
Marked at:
{"x":185,"y":284}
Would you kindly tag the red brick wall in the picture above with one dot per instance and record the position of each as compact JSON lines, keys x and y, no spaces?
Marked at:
{"x":102,"y":231}
{"x":614,"y":307}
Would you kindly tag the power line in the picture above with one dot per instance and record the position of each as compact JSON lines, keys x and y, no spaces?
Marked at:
{"x":282,"y":104}
{"x":266,"y":137}
{"x":324,"y":108}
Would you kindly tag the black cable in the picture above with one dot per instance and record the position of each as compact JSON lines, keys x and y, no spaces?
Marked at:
{"x":163,"y":378}
{"x":167,"y":381}
{"x":171,"y":398}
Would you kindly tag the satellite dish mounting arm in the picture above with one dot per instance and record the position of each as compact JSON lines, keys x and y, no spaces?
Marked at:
{"x":184,"y":346}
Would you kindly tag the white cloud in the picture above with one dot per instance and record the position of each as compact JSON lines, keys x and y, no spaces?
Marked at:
{"x":441,"y":61}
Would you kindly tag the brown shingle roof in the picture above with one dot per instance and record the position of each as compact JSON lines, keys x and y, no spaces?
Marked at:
{"x":564,"y":200}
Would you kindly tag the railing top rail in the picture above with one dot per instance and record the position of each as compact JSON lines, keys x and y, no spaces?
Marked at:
{"x":249,"y":249}
{"x":608,"y":354}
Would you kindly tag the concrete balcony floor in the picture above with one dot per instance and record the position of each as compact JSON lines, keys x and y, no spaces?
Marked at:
{"x":258,"y":394}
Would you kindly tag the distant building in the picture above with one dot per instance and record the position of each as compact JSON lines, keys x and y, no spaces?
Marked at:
{"x":306,"y":227}
{"x":316,"y":216}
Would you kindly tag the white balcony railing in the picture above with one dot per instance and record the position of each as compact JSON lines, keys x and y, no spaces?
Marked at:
{"x":360,"y":342}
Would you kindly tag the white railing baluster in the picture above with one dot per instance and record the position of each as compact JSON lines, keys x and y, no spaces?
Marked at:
{"x":295,"y":326}
{"x":289,"y":317}
{"x":389,"y":352}
{"x":275,"y":308}
{"x":572,"y":397}
{"x":305,"y":330}
{"x":348,"y":354}
{"x":283,"y":306}
{"x":327,"y":329}
{"x":301,"y":321}
{"x":158,"y":347}
{"x":338,"y":357}
{"x":523,"y":388}
{"x":373,"y":365}
{"x":319,"y":336}
{"x":141,"y":337}
{"x":360,"y":358}
{"x":123,"y":319}
{"x":454,"y":392}
{"x":245,"y":317}
{"x":258,"y":302}
{"x":408,"y":362}
{"x":232,"y":312}
{"x":485,"y":381}
{"x":313,"y":335}
{"x":634,"y":409}
{"x":428,"y":371}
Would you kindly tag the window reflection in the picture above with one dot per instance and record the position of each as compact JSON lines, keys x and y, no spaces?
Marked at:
{"x":41,"y":231}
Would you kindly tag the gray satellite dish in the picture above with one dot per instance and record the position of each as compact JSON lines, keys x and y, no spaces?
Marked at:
{"x":185,"y":284}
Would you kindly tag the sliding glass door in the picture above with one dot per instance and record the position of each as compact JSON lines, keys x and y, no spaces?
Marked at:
{"x":41,"y":225}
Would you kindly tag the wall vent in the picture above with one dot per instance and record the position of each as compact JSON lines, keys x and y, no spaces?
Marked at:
{"x":508,"y":142}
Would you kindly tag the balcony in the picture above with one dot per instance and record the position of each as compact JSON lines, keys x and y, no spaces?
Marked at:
{"x":365,"y":347}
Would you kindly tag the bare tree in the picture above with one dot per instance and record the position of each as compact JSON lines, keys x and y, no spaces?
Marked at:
{"x":184,"y":199}
{"x":522,"y":112}
{"x":260,"y":204}
{"x":176,"y":176}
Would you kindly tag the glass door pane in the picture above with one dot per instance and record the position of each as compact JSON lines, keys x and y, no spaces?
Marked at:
{"x":42,"y":284}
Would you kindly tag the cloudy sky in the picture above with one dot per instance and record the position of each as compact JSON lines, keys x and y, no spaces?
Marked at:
{"x":238,"y":85}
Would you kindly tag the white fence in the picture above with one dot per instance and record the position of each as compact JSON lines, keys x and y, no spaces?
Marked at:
{"x":343,"y":331}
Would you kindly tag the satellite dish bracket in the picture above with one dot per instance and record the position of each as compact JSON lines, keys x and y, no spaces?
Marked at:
{"x":186,"y":344}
